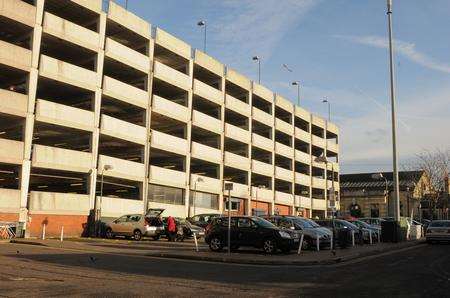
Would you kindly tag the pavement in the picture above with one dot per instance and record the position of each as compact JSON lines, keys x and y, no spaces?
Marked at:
{"x":45,"y":270}
{"x":187,"y":251}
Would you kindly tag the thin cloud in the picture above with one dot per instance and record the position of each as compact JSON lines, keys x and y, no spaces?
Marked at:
{"x":256,"y":27}
{"x":406,"y":49}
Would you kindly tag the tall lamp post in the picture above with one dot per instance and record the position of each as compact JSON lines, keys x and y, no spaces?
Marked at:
{"x":379,"y":176}
{"x":297,"y":83}
{"x":393,"y":116}
{"x":329,"y":108}
{"x":229,"y":186}
{"x":98,"y":207}
{"x":257,"y":58}
{"x":256,"y":207}
{"x":202,"y":23}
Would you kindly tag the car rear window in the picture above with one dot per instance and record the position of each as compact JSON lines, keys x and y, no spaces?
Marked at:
{"x":440,"y":224}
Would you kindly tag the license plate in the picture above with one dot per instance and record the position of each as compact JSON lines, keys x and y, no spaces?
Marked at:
{"x":201,"y":233}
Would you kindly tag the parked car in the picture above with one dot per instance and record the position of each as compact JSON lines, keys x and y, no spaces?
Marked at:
{"x":185,"y":229}
{"x":202,"y":220}
{"x":249,"y":231}
{"x":374,"y":221}
{"x":305,"y":226}
{"x":338,"y":225}
{"x":366,"y":229}
{"x":438,"y":230}
{"x":136,"y":225}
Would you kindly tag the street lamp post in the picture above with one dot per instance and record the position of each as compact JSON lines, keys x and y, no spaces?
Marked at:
{"x":297,"y":83}
{"x":329,"y":108}
{"x":379,"y":176}
{"x":257,"y":58}
{"x":98,"y":207}
{"x":229,"y":186}
{"x":199,"y":179}
{"x":256,"y":207}
{"x":393,"y":116}
{"x":202,"y":23}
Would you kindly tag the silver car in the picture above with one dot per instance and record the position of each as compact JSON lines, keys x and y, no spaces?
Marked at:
{"x":438,"y":230}
{"x":133,"y":225}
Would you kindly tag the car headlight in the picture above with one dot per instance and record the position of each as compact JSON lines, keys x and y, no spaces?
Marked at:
{"x":284,"y":235}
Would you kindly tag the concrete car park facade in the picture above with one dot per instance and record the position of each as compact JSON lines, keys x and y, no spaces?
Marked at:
{"x":100,"y":110}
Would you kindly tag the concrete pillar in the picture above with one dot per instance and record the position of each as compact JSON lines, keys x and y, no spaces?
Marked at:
{"x":188,"y":137}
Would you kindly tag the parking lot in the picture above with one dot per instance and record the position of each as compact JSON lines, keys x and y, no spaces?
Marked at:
{"x":112,"y":268}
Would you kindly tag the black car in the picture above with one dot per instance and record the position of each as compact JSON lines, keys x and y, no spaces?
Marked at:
{"x":341,"y":227}
{"x":202,"y":220}
{"x":305,"y":226}
{"x":250,"y":231}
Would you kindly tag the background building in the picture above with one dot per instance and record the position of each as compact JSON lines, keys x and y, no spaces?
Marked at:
{"x":100,"y":110}
{"x":363,"y":195}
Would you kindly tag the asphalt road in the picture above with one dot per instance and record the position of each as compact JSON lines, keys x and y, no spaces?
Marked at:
{"x":423,"y":271}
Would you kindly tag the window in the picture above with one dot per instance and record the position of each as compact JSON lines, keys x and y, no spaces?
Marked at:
{"x":285,"y":223}
{"x":204,"y":200}
{"x":135,"y":218}
{"x":244,"y":223}
{"x":165,"y":194}
{"x":234,"y":205}
{"x":224,"y":222}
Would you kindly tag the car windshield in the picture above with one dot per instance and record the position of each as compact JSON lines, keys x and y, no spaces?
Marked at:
{"x":348,"y":224}
{"x":361,"y":224}
{"x":262,"y":222}
{"x":440,"y":224}
{"x":306,"y":223}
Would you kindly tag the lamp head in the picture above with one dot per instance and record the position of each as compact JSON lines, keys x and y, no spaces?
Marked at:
{"x":324,"y":100}
{"x":201,"y":23}
{"x":296,"y":83}
{"x":255,"y":58}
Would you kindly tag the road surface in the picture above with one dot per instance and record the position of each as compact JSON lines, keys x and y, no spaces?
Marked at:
{"x":26,"y":270}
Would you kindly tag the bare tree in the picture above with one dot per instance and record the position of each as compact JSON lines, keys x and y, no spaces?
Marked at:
{"x":436,"y":165}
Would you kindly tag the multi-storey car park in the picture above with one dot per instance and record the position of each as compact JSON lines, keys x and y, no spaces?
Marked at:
{"x":89,"y":94}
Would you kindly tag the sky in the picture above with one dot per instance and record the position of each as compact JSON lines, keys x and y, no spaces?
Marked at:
{"x":337,"y":49}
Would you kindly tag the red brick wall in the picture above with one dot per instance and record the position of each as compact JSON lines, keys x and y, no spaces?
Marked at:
{"x":261,"y":206}
{"x":9,"y":216}
{"x":282,"y":209}
{"x":74,"y":225}
{"x":242,"y":207}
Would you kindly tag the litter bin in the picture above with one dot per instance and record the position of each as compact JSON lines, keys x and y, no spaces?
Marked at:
{"x":390,"y":231}
{"x":344,"y":238}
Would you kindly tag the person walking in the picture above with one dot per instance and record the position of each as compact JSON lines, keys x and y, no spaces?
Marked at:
{"x":171,"y":228}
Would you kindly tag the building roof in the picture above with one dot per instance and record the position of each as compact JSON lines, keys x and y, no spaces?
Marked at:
{"x":365,"y":180}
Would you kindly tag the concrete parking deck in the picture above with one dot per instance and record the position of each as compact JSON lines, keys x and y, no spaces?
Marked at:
{"x":186,"y":250}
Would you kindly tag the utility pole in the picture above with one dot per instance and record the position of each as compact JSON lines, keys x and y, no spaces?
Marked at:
{"x":393,"y":115}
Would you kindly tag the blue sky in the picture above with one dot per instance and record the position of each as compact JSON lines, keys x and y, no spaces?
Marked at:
{"x":336,"y":49}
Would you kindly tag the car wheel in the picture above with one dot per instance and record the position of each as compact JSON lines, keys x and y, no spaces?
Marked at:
{"x":215,"y":244}
{"x":137,"y":235}
{"x":156,"y":238}
{"x":109,"y":233}
{"x":269,"y":246}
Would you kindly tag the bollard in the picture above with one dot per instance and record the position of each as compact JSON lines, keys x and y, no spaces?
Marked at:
{"x":43,"y":231}
{"x":62,"y":234}
{"x":331,"y":243}
{"x":370,"y":237}
{"x":379,"y":236}
{"x":301,"y":244}
{"x":317,"y":244}
{"x":196,"y":243}
{"x":353,"y":238}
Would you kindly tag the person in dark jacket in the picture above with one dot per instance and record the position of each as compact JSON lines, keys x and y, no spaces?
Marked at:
{"x":171,"y":228}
